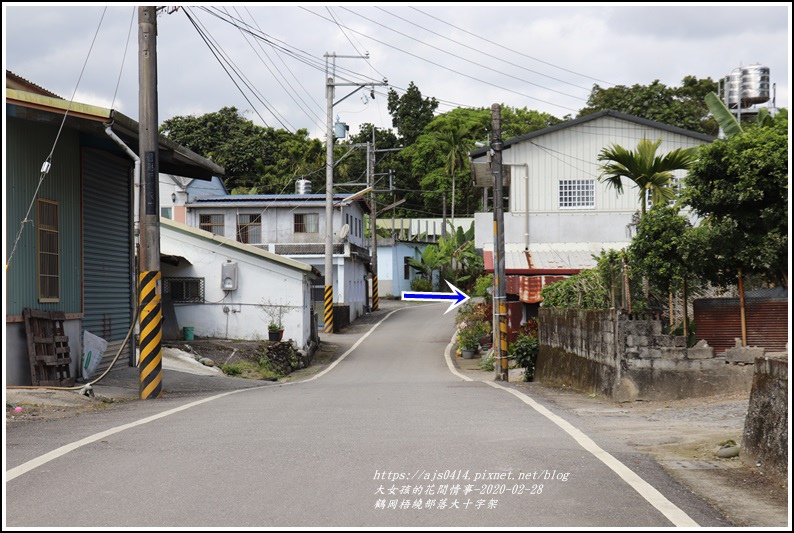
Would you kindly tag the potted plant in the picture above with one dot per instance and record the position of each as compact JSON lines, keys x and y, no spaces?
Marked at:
{"x":275,"y":312}
{"x":275,"y":331}
{"x":468,"y":339}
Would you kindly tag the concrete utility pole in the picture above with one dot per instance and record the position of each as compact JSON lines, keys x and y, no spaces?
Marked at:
{"x":372,"y":214}
{"x":150,"y":367}
{"x":330,"y":84}
{"x":500,"y":304}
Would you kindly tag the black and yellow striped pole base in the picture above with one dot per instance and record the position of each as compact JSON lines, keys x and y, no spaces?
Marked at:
{"x":150,"y":366}
{"x":328,"y":321}
{"x":503,"y":340}
{"x":374,"y":293}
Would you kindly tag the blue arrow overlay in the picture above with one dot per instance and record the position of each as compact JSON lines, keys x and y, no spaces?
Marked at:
{"x":458,"y":297}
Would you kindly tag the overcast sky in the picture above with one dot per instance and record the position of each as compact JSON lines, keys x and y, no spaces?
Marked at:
{"x":543,"y":57}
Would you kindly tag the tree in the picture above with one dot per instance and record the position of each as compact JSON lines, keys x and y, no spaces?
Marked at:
{"x":683,"y":107}
{"x":739,"y":186}
{"x":667,"y":250}
{"x":224,"y":136}
{"x":410,"y":112}
{"x":650,"y":173}
{"x":259,"y":159}
{"x":456,"y":150}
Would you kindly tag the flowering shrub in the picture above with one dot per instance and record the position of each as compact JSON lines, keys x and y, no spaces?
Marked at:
{"x":469,"y":334}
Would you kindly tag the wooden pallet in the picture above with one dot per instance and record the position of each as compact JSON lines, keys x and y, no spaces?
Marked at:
{"x":48,"y":348}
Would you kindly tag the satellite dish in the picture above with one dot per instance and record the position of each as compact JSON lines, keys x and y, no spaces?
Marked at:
{"x":344,"y":231}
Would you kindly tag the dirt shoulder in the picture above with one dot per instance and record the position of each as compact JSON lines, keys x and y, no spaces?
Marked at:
{"x":683,"y":436}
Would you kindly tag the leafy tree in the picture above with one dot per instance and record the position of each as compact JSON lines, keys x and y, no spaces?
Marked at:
{"x":410,"y":112}
{"x":648,"y":172}
{"x":224,"y":136}
{"x":740,"y":187}
{"x":256,"y":159}
{"x":683,"y":106}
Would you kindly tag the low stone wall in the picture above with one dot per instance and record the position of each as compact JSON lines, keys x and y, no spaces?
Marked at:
{"x":765,"y":439}
{"x":626,"y":359}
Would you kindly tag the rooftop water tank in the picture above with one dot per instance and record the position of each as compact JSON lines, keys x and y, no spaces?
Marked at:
{"x":733,"y":86}
{"x":755,"y":85}
{"x":303,"y":186}
{"x":747,"y":86}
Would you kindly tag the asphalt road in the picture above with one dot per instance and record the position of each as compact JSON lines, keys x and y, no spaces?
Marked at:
{"x":389,"y":437}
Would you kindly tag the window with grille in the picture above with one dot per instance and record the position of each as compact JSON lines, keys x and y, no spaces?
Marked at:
{"x":307,"y":223}
{"x":211,"y":223}
{"x":406,"y":268}
{"x":577,"y":194}
{"x":184,"y":290}
{"x":249,"y":229}
{"x":47,"y":248}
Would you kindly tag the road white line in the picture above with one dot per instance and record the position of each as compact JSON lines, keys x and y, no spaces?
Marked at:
{"x":63,"y":450}
{"x":342,"y":357}
{"x":678,"y":517}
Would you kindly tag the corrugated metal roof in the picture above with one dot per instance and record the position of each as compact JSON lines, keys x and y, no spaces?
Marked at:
{"x":523,"y":262}
{"x":480,"y":152}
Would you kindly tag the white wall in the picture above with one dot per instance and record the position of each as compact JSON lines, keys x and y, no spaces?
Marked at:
{"x":258,"y":279}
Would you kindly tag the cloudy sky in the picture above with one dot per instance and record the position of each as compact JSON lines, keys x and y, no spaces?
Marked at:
{"x":544,"y":57}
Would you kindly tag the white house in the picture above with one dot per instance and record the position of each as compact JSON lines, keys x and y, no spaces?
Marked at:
{"x":558,"y":214}
{"x":293,"y":226}
{"x":216,"y":285}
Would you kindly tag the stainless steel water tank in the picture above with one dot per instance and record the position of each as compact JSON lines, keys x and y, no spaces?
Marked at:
{"x":733,"y":87}
{"x":303,"y":186}
{"x":755,"y":85}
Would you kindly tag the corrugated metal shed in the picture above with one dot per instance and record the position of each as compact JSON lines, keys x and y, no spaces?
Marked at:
{"x":718,"y":321}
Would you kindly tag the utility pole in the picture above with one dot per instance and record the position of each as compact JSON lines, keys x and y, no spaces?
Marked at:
{"x":150,"y":367}
{"x":372,"y":221}
{"x":330,"y":85}
{"x":500,"y":304}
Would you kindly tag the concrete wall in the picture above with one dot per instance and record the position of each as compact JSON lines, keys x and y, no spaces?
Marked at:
{"x":765,"y":438}
{"x":607,"y":353}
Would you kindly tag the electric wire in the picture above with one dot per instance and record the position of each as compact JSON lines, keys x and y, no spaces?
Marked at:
{"x":213,"y":47}
{"x":292,"y":89}
{"x":468,"y":61}
{"x":510,"y":49}
{"x":448,"y":68}
{"x":123,"y":58}
{"x":481,"y":52}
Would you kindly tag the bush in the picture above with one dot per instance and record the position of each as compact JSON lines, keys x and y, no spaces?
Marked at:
{"x":525,"y":353}
{"x":421,"y":285}
{"x":487,"y":364}
{"x":482,"y":285}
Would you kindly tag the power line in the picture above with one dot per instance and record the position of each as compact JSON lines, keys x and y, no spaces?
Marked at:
{"x":481,"y":52}
{"x":510,"y":49}
{"x":447,"y":68}
{"x":468,"y":61}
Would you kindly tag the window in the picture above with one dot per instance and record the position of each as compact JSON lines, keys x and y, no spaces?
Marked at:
{"x":307,"y":223}
{"x":577,"y":194}
{"x":211,"y":223}
{"x":249,"y":229}
{"x":47,"y":244}
{"x":184,"y":290}
{"x":406,"y":268}
{"x":166,"y":212}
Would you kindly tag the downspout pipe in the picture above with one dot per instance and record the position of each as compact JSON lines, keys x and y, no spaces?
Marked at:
{"x":136,"y":215}
{"x":136,"y":182}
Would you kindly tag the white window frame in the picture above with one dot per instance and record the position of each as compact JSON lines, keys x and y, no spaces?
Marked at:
{"x":577,"y":191}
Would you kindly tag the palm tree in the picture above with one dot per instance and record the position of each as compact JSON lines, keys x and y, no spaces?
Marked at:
{"x":456,"y":152}
{"x":650,"y":173}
